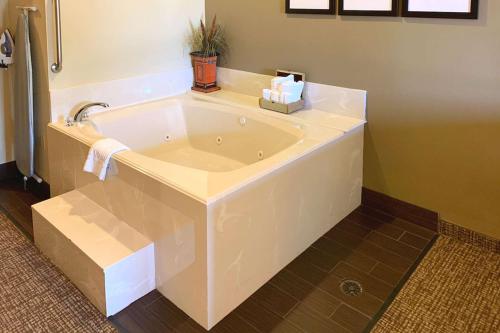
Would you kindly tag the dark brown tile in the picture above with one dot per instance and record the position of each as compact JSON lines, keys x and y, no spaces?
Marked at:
{"x":397,"y":222}
{"x":370,"y":284}
{"x":376,"y":224}
{"x":306,"y":293}
{"x":22,"y":216}
{"x":390,"y":244}
{"x":387,"y":274}
{"x":353,"y":228}
{"x":166,"y":313}
{"x":356,"y":259}
{"x":321,"y":259}
{"x":28,"y":198}
{"x":150,"y":298}
{"x":365,"y":303}
{"x":387,"y":257}
{"x":137,"y":319}
{"x":345,"y":239}
{"x":306,"y":270}
{"x":413,"y":240}
{"x":413,"y":228}
{"x":360,"y":261}
{"x":401,"y":209}
{"x":375,"y":213}
{"x":331,"y":246}
{"x":233,"y":323}
{"x":275,"y":300}
{"x":351,"y":319}
{"x":9,"y":200}
{"x":310,"y":321}
{"x":263,"y":319}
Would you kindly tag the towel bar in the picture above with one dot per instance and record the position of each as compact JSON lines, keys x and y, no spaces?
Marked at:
{"x":57,"y":66}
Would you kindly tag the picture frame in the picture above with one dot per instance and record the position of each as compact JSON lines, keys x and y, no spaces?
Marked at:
{"x":369,"y":7}
{"x":325,"y":7}
{"x":449,"y":9}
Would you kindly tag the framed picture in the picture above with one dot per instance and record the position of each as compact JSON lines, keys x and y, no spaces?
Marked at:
{"x":368,"y":7}
{"x":310,"y":7}
{"x":453,"y":9}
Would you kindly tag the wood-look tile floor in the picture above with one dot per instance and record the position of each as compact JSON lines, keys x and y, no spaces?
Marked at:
{"x":368,"y":246}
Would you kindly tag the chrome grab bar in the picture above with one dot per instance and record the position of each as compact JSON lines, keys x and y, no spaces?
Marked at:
{"x":57,"y":66}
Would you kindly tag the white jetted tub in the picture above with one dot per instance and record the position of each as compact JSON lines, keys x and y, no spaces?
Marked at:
{"x":230,"y":194}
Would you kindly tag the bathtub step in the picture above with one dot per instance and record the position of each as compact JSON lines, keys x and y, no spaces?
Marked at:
{"x":110,"y":262}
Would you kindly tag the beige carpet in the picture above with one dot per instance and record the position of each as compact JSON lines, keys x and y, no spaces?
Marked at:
{"x":35,"y":296}
{"x":456,"y":288}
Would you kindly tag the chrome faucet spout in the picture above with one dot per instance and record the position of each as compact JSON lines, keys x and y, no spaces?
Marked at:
{"x":82,"y":113}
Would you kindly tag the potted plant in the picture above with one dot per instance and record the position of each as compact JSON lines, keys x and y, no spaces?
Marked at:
{"x":207,"y":44}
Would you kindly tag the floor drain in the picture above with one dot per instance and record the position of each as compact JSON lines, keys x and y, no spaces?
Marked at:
{"x":351,"y":288}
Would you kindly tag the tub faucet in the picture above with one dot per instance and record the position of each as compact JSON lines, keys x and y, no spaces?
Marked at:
{"x":82,"y":113}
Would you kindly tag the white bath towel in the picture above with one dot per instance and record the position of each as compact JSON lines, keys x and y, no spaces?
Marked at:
{"x":266,"y":94}
{"x":287,"y":98}
{"x":295,"y":90}
{"x":278,"y":81}
{"x":275,"y":96}
{"x":100,"y":155}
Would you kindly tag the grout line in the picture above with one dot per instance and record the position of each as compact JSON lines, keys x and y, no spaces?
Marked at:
{"x":366,"y":255}
{"x":336,"y":309}
{"x":341,"y":325}
{"x":378,"y":246}
{"x":291,"y":309}
{"x":290,"y":322}
{"x":325,"y":291}
{"x":307,"y":282}
{"x":374,"y":277}
{"x":414,"y":247}
{"x":274,"y":312}
{"x":391,"y":251}
{"x":352,"y":233}
{"x":352,"y":308}
{"x":347,"y":248}
{"x":397,"y":241}
{"x":380,"y":221}
{"x":335,"y":266}
{"x":246,"y":321}
{"x":399,"y":218}
{"x":373,"y":268}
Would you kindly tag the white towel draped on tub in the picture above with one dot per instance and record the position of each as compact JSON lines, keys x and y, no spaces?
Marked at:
{"x":100,"y":155}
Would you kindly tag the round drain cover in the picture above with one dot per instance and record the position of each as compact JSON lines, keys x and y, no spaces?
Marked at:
{"x":351,"y":288}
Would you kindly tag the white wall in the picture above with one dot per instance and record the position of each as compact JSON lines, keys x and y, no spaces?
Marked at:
{"x":103,"y":40}
{"x":112,"y":39}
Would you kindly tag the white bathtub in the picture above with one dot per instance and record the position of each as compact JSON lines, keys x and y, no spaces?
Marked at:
{"x":229,"y":194}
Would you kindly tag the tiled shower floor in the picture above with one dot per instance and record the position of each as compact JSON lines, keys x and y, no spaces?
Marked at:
{"x":375,"y":249}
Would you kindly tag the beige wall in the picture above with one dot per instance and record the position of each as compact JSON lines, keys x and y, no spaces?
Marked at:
{"x":6,"y":120}
{"x":434,"y":95}
{"x":38,"y":37}
{"x":114,"y":39}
